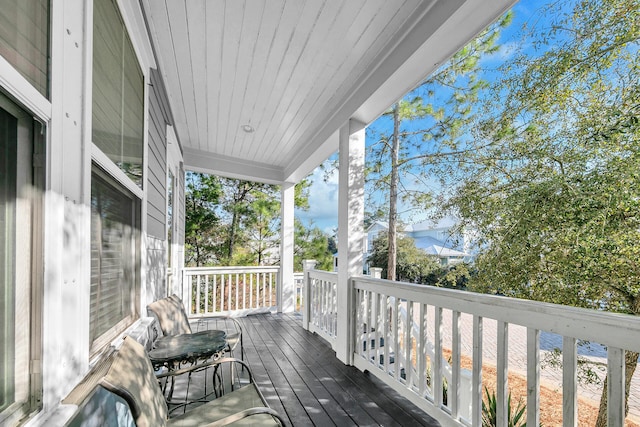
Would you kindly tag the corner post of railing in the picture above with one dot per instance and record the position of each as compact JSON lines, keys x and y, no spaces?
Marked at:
{"x":308,"y":265}
{"x":375,"y":272}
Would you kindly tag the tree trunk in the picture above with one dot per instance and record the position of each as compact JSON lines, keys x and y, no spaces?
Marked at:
{"x":393,"y":196}
{"x":630,"y":361}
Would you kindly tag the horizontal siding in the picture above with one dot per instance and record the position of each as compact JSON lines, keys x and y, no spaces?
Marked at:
{"x":157,"y":159}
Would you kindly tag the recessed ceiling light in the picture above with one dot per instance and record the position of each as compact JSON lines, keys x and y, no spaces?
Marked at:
{"x":247,"y":128}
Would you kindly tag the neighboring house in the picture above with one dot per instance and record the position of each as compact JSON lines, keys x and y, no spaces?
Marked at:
{"x":438,"y":239}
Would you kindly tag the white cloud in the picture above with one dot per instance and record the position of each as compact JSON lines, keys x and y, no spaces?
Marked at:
{"x":323,"y":201}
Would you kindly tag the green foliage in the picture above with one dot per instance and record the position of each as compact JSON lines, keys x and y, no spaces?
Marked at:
{"x":452,"y":277}
{"x":202,"y":195}
{"x":516,"y":418}
{"x":413,"y":264}
{"x":234,"y":222}
{"x":312,"y":243}
{"x":554,"y":190}
{"x":428,"y":126}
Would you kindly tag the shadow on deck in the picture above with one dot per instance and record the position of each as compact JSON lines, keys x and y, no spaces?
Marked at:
{"x":303,"y":381}
{"x":301,"y":378}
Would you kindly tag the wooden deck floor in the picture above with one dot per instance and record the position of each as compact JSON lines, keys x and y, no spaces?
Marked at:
{"x":301,"y":378}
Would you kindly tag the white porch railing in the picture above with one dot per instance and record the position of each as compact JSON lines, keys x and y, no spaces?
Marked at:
{"x":323,"y":304}
{"x":229,"y":290}
{"x":411,"y":359}
{"x":411,"y":336}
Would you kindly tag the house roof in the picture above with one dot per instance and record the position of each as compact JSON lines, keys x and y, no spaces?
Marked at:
{"x":433,"y":246}
{"x":292,"y":72}
{"x":442,"y":223}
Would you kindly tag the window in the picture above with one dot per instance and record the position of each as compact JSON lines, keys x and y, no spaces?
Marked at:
{"x":118,"y":92}
{"x":24,"y":39}
{"x":117,"y":131}
{"x":115,"y":259}
{"x":20,"y":239}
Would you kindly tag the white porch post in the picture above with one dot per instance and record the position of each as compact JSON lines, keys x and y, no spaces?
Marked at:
{"x":350,"y":228}
{"x":286,"y":286}
{"x":308,"y":265}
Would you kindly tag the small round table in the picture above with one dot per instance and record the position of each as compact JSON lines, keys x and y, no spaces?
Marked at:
{"x":175,"y":351}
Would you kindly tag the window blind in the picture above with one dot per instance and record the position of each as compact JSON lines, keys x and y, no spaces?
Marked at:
{"x":114,"y":256}
{"x":118,"y":92}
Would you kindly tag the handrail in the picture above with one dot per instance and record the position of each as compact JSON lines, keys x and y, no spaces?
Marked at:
{"x":398,"y":336}
{"x":230,"y":290}
{"x":323,"y":304}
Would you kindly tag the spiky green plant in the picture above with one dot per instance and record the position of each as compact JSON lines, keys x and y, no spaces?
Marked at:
{"x":490,"y":411}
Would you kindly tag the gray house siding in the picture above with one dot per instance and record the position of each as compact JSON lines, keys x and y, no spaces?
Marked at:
{"x":157,"y":159}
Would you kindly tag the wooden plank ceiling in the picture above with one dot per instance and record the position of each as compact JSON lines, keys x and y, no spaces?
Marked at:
{"x":294,"y":71}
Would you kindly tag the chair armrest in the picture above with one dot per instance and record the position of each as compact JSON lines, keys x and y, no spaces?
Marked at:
{"x":236,"y":323}
{"x":247,"y":413}
{"x":206,"y":365}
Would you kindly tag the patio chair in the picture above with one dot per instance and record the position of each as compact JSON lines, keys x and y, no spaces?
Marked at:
{"x":131,"y":377}
{"x":173,"y":320}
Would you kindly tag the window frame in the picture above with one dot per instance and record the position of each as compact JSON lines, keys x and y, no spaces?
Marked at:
{"x":115,"y":176}
{"x":103,"y":340}
{"x":29,"y":268}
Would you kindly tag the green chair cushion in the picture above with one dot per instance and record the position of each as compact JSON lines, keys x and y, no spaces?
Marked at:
{"x":229,"y":404}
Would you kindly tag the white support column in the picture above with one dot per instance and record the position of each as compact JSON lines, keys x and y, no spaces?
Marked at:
{"x":287,"y":286}
{"x":350,"y":229}
{"x":67,"y":215}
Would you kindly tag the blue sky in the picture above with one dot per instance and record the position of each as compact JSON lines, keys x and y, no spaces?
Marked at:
{"x":323,"y":194}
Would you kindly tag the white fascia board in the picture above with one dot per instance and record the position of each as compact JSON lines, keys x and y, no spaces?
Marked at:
{"x":137,"y":29}
{"x":322,"y":152}
{"x":231,"y":167}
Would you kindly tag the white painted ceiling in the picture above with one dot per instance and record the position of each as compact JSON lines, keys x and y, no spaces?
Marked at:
{"x":295,"y":71}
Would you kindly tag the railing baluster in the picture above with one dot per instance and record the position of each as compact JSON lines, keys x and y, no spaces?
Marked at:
{"x":386,"y":318}
{"x":436,"y":379}
{"x":533,"y":377}
{"x":454,"y":389}
{"x":363,"y":312}
{"x":198,"y":285}
{"x":396,"y":338}
{"x":421,"y":351}
{"x":222,"y":290}
{"x":476,"y":385}
{"x":214,"y":297}
{"x":615,"y":386}
{"x":271,"y":282}
{"x":569,"y":382}
{"x":369,"y":323}
{"x":244,"y":291}
{"x":502,"y":374}
{"x":251,"y":290}
{"x":236,"y":285}
{"x":408,"y":365}
{"x":373,"y":351}
{"x":206,"y":293}
{"x":379,"y":332}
